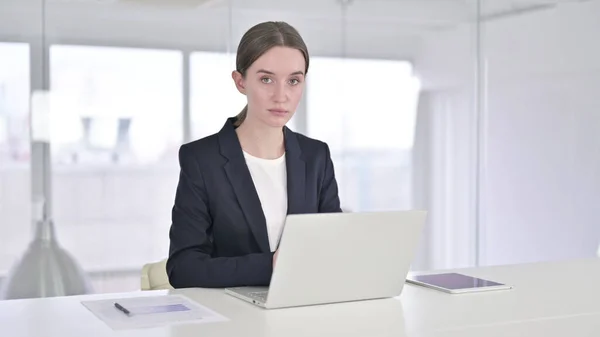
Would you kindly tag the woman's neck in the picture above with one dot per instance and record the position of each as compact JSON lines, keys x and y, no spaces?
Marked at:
{"x":260,"y":140}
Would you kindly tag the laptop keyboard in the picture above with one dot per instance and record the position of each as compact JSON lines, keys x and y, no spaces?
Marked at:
{"x":259,"y":295}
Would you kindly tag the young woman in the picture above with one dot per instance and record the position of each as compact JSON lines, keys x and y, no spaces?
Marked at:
{"x":237,"y":186}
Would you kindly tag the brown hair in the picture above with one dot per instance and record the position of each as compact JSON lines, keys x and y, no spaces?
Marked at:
{"x":258,"y":40}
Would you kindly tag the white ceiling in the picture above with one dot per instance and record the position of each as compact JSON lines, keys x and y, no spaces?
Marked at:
{"x":413,"y":11}
{"x":390,"y":28}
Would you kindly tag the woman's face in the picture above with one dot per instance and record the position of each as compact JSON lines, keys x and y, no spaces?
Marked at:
{"x":273,"y":86}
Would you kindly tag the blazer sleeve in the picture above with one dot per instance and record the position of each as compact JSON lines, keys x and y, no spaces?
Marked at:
{"x":190,"y":263}
{"x":329,"y":201}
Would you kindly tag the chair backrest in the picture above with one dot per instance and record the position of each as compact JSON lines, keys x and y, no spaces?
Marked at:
{"x":154,"y":276}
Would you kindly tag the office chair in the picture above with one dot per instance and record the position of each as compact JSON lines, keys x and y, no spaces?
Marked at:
{"x":154,"y":276}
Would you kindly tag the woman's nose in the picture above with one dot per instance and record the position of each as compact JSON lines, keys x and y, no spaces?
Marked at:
{"x":280,"y":93}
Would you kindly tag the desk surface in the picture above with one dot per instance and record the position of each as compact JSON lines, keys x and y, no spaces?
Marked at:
{"x":548,"y":299}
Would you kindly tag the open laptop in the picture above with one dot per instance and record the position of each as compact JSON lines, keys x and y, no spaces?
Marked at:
{"x":339,"y":257}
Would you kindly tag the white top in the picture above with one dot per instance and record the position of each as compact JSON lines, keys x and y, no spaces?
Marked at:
{"x":552,"y":299}
{"x":270,"y":180}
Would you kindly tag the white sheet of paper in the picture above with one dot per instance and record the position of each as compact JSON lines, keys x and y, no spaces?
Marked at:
{"x":152,"y":311}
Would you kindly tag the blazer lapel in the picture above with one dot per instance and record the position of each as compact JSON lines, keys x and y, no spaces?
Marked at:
{"x":296,"y":173}
{"x":243,"y":186}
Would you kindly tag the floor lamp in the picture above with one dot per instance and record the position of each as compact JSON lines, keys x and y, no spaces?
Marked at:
{"x":45,"y":269}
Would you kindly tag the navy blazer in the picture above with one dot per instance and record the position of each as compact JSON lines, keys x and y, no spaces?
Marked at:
{"x":218,"y":235}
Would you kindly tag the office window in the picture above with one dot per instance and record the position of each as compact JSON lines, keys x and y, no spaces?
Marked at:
{"x":15,"y":186}
{"x":14,"y":102}
{"x":116,"y":126}
{"x":112,"y":105}
{"x":366,"y":111}
{"x":214,"y":96}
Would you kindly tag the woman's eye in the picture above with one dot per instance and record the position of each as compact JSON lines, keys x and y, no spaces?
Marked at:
{"x":266,"y":80}
{"x":294,"y":81}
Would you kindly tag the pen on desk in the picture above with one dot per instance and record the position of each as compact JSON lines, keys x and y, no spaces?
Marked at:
{"x":121,"y":308}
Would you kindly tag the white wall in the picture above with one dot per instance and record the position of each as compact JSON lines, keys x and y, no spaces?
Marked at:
{"x":446,"y":66}
{"x":543,"y":150}
{"x":443,"y":170}
{"x":541,"y":183}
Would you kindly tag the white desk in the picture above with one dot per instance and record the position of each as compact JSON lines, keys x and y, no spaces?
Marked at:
{"x":572,"y":326}
{"x":542,"y":290}
{"x":549,"y":299}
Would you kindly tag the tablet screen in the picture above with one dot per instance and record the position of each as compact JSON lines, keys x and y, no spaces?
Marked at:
{"x":454,"y":281}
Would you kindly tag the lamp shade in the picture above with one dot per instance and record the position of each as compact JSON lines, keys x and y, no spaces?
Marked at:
{"x":45,"y":269}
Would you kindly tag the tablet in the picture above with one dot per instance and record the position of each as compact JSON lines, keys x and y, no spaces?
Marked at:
{"x":455,"y":283}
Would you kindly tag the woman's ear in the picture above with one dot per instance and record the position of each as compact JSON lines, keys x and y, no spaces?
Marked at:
{"x":239,"y":81}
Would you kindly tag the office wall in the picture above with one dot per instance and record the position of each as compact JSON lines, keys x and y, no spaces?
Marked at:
{"x":539,"y":146}
{"x":542,"y":183}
